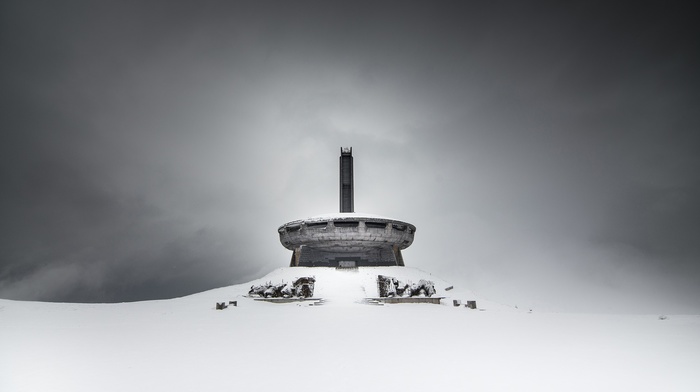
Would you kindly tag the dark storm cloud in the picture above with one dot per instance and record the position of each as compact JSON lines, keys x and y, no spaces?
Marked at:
{"x":543,"y":150}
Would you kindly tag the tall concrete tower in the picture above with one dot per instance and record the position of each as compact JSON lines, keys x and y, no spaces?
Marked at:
{"x":347,"y":188}
{"x":346,"y":239}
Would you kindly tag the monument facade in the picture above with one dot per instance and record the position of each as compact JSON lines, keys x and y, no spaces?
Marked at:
{"x":346,"y":239}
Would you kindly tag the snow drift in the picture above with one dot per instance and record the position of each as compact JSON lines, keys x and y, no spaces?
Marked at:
{"x":184,"y":344}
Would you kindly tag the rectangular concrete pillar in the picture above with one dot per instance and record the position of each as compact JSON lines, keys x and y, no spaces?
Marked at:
{"x":347,"y":202}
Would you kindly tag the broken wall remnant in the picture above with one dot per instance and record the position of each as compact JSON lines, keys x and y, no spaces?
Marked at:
{"x":302,"y":287}
{"x":222,"y":305}
{"x":392,"y":287}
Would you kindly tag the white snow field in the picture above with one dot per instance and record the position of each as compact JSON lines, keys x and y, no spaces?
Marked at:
{"x":184,"y":344}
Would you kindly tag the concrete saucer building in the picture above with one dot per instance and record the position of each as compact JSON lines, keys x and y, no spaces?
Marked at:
{"x":346,"y":239}
{"x":363,"y":252}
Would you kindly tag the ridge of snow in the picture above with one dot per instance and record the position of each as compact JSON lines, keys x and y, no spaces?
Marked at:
{"x":183,"y":344}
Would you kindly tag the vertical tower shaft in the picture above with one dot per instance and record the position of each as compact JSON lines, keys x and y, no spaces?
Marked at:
{"x":347,"y":197}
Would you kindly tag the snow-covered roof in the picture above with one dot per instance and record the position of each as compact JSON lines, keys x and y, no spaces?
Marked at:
{"x":344,"y":216}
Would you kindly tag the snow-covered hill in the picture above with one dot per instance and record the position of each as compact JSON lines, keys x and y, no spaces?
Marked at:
{"x":184,"y":344}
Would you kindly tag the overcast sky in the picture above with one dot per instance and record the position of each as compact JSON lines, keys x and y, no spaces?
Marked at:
{"x":548,"y":154}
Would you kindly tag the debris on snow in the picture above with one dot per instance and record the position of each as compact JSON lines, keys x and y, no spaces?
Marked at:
{"x":302,"y":287}
{"x":391,"y":287}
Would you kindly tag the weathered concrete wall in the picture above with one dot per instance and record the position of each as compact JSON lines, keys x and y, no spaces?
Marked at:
{"x":315,"y":257}
{"x":367,"y":240}
{"x":347,"y":186}
{"x":347,"y":235}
